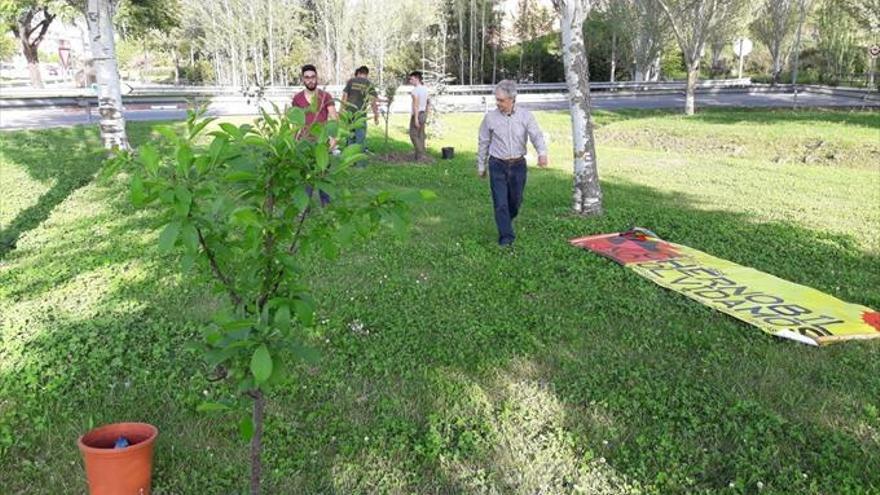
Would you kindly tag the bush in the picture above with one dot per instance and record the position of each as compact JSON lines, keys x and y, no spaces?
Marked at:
{"x":199,"y":73}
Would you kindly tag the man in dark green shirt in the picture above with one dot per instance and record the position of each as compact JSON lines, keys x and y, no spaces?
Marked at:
{"x":358,"y":91}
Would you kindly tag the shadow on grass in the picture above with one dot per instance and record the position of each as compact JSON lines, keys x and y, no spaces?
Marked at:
{"x":474,"y":369}
{"x":69,"y":157}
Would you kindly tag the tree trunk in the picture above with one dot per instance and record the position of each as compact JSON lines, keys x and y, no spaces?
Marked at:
{"x":797,"y":48}
{"x":337,"y":59}
{"x":460,"y":46}
{"x":257,"y":443}
{"x":690,"y":90}
{"x":382,"y":61}
{"x":144,"y":65}
{"x":99,"y":17}
{"x":233,"y":50}
{"x":483,"y":36}
{"x":587,"y":192}
{"x":654,"y":73}
{"x":775,"y":48}
{"x":871,"y":71}
{"x":176,"y":67}
{"x":23,"y":30}
{"x":33,"y":60}
{"x":494,"y":63}
{"x":613,"y":54}
{"x":328,"y":40}
{"x":522,"y":52}
{"x":271,"y":47}
{"x":471,"y":27}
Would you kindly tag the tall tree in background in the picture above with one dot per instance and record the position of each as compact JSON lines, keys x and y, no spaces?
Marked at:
{"x":532,"y":22}
{"x":867,"y":15}
{"x":29,"y":20}
{"x":692,"y":22}
{"x":646,"y":29}
{"x":587,"y":197}
{"x":838,"y":41}
{"x":803,"y":7}
{"x":735,"y":26}
{"x":774,"y":26}
{"x":99,"y":17}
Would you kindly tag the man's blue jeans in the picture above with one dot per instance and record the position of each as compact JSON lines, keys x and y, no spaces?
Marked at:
{"x":507,"y":181}
{"x":360,"y":137}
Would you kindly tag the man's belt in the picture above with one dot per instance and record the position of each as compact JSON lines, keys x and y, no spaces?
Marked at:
{"x":510,"y":161}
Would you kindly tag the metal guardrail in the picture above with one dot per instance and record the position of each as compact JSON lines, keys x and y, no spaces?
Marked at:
{"x":608,"y":86}
{"x":181,"y":97}
{"x":195,"y":91}
{"x":863,"y":94}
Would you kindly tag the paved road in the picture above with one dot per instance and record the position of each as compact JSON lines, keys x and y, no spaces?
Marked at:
{"x":61,"y":117}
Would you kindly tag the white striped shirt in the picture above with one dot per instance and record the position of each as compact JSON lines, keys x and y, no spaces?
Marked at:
{"x":505,"y":136}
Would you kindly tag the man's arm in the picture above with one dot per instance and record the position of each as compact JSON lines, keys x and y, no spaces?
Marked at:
{"x":415,"y":109}
{"x":537,"y":139}
{"x":483,"y":141}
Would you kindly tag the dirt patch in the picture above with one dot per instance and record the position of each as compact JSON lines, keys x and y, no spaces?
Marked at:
{"x":806,"y":150}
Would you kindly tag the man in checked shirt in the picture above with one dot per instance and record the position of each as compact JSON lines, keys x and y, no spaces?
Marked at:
{"x":503,"y":135}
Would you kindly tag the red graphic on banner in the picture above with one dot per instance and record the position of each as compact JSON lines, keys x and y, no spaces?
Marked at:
{"x":628,"y":247}
{"x":872,"y":318}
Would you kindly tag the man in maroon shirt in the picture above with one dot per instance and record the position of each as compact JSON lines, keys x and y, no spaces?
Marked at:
{"x":324,"y":109}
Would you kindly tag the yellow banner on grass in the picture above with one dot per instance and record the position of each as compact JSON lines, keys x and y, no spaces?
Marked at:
{"x":774,"y":305}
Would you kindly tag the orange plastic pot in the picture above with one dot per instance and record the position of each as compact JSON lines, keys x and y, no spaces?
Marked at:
{"x":124,"y":471}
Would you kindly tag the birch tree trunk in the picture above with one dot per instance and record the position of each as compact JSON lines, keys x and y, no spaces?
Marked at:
{"x":494,"y":63}
{"x":691,"y":88}
{"x":587,"y":192}
{"x":382,"y":62}
{"x":230,"y":43}
{"x":482,"y":42}
{"x":692,"y":23}
{"x":471,"y":26}
{"x":271,"y":47}
{"x":176,"y":55}
{"x":803,"y":5}
{"x":99,"y":17}
{"x":613,"y":54}
{"x":459,"y":10}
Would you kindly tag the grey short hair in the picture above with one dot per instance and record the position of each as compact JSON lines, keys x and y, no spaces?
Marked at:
{"x":507,"y":86}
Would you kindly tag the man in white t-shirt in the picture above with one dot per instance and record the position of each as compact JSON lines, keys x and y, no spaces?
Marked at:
{"x":419,"y":114}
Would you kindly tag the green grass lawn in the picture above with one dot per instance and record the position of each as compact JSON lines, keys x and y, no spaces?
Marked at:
{"x":450,"y":366}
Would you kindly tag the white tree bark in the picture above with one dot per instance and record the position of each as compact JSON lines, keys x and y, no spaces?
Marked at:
{"x":613,"y":55}
{"x":643,"y":24}
{"x":482,"y":42}
{"x":587,"y":195}
{"x":271,"y":47}
{"x":99,"y":17}
{"x":472,"y":27}
{"x":460,"y":12}
{"x":803,"y":6}
{"x":692,"y":22}
{"x":773,"y":26}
